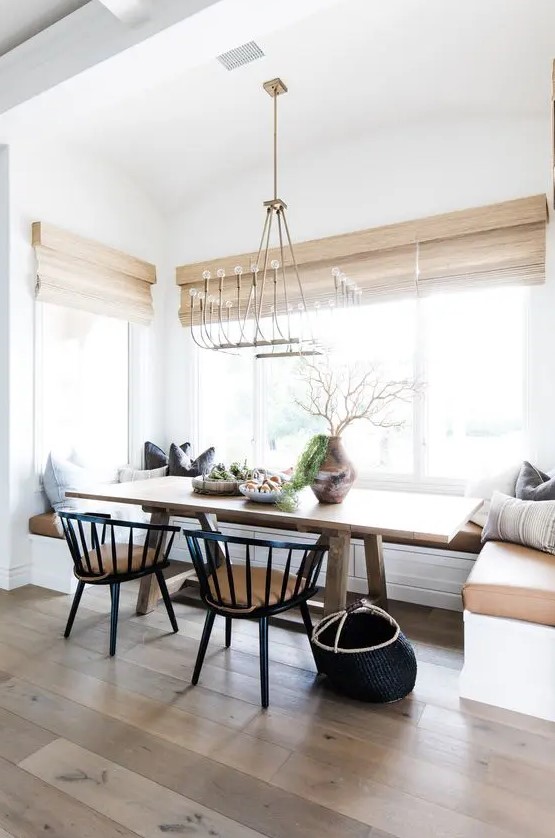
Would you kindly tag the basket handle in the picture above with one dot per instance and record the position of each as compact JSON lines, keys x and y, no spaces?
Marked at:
{"x":341,"y":616}
{"x":367,"y":605}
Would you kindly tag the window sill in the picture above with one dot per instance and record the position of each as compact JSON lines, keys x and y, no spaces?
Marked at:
{"x":407,"y":483}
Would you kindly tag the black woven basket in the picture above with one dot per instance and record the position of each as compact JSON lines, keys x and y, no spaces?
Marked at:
{"x":365,"y":654}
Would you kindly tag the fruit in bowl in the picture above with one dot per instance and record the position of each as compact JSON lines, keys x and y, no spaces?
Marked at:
{"x":262,"y":489}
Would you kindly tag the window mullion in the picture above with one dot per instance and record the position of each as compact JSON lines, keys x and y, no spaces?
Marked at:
{"x":260,"y":418}
{"x":419,"y":408}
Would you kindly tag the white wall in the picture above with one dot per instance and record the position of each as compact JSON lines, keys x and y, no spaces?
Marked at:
{"x":4,"y":363}
{"x":88,"y":198}
{"x":408,"y":171}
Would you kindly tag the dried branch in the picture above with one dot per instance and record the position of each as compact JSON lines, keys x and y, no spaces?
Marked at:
{"x":343,"y":394}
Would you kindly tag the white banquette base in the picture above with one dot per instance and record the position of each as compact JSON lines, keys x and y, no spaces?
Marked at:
{"x":414,"y":574}
{"x":509,"y":664}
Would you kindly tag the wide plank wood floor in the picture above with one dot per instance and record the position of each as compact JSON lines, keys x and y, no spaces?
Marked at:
{"x":93,"y":746}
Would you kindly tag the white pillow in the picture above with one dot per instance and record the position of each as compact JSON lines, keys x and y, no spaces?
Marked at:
{"x":128,"y":474}
{"x":61,"y":476}
{"x":486,"y":485}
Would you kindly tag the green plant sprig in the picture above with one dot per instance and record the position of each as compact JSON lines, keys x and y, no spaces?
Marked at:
{"x":306,"y":471}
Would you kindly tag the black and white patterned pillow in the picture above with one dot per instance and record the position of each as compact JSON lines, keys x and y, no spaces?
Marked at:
{"x":181,"y":465}
{"x":527,"y":522}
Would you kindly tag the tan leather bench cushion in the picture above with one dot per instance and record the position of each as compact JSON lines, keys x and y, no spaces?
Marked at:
{"x":258,"y":587}
{"x":509,"y":580}
{"x":47,"y":524}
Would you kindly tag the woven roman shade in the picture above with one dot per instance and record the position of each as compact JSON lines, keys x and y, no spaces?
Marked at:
{"x":492,"y":245}
{"x":81,"y":273}
{"x":512,"y":255}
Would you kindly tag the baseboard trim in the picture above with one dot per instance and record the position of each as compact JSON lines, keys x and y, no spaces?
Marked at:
{"x":15,"y":577}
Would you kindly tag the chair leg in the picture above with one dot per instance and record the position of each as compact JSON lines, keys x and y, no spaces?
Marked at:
{"x":167,"y":601}
{"x":114,"y":592}
{"x":206,"y":632}
{"x":74,"y":607}
{"x":305,"y":613}
{"x":227,"y":632}
{"x":264,"y":675}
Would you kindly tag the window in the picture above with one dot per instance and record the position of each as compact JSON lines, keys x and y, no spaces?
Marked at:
{"x":83,"y":386}
{"x":226,"y":405}
{"x":468,"y":351}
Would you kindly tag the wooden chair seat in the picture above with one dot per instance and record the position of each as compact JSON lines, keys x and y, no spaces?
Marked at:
{"x":220,"y":582}
{"x":116,"y":562}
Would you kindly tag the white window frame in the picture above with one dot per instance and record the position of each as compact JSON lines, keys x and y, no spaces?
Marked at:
{"x":137,"y":364}
{"x":418,"y":480}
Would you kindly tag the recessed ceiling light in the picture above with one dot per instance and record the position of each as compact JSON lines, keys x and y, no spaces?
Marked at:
{"x":238,"y":56}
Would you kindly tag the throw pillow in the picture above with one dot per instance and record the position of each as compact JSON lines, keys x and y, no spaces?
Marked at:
{"x":128,"y":474}
{"x":485,"y":485}
{"x":180,"y":464}
{"x":527,"y":522}
{"x":61,"y":476}
{"x":533,"y":484}
{"x":155,"y":457}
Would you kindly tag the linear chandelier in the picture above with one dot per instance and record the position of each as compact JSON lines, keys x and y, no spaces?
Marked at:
{"x":259,"y":313}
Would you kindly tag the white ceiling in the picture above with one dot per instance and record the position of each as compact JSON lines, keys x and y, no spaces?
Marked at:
{"x":352,"y":68}
{"x":21,"y":19}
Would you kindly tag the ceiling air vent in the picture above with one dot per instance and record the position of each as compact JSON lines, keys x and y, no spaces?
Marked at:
{"x":238,"y":56}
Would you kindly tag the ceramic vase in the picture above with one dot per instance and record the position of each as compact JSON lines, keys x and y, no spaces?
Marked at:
{"x":336,"y":475}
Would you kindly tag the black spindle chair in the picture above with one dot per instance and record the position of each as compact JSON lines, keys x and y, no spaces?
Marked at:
{"x":252,"y":588}
{"x":98,"y":560}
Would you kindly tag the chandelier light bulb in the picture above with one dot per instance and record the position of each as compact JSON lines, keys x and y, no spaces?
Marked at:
{"x":274,"y":264}
{"x":193,"y":293}
{"x":254,"y":268}
{"x":238,"y":270}
{"x":336,"y":271}
{"x":228,"y":304}
{"x":220,"y":273}
{"x":206,"y":275}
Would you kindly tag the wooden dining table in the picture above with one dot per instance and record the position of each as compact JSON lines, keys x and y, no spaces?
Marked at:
{"x":366,"y":514}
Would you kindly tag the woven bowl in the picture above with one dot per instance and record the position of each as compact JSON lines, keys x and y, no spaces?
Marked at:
{"x":215,"y":487}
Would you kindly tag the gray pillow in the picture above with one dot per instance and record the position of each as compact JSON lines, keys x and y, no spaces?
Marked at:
{"x":533,"y":484}
{"x":155,"y":457}
{"x":527,"y":522}
{"x":181,"y":465}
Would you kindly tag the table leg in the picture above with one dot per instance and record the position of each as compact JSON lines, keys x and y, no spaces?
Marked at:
{"x":373,"y":553}
{"x":149,"y":590}
{"x":209,"y":522}
{"x":335,"y":594}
